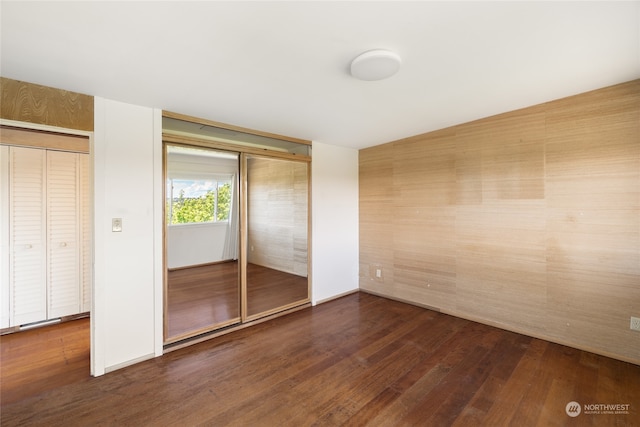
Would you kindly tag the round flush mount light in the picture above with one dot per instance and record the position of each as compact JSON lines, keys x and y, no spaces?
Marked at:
{"x":375,"y":64}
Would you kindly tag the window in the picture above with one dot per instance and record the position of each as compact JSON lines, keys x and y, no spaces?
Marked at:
{"x":191,"y":201}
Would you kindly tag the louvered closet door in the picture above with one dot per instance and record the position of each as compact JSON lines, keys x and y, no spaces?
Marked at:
{"x":63,"y":229}
{"x":27,"y":235}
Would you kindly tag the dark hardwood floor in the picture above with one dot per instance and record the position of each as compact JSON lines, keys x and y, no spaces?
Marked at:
{"x":203,"y":296}
{"x":39,"y":360}
{"x":358,"y":360}
{"x":268,"y":289}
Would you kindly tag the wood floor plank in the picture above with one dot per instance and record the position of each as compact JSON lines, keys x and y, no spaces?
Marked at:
{"x":511,"y":347}
{"x":360,"y":360}
{"x":57,"y":355}
{"x":505,"y":404}
{"x":204,"y":297}
{"x":201,"y":297}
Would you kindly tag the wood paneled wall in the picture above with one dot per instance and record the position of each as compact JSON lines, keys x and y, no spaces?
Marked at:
{"x":529,"y":220}
{"x":277,"y":199}
{"x":27,"y":102}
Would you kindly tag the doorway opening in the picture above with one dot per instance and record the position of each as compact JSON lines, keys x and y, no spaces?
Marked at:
{"x":46,"y":276}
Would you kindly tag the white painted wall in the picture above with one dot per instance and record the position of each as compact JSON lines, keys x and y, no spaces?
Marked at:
{"x":125,"y":326}
{"x":127,"y":317}
{"x":334,"y":189}
{"x":193,"y":244}
{"x":200,"y":243}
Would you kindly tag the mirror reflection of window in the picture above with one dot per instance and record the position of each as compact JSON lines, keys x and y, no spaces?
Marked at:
{"x":202,"y":224}
{"x":203,"y":289}
{"x":197,"y":201}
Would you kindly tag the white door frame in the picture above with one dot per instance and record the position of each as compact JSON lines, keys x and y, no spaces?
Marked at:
{"x":89,"y":135}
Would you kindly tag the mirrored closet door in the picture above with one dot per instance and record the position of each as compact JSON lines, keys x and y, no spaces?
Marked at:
{"x":277,"y":200}
{"x":202,"y":240}
{"x":236,"y":226}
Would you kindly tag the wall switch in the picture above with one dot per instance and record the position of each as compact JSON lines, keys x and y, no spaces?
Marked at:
{"x":378,"y":273}
{"x":116,"y":225}
{"x":635,"y":324}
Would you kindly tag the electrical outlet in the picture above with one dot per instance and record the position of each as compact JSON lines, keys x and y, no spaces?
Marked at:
{"x":116,"y":225}
{"x":376,"y":272}
{"x":635,"y":324}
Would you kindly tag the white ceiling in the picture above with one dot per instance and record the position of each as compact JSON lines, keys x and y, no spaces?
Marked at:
{"x":282,"y":67}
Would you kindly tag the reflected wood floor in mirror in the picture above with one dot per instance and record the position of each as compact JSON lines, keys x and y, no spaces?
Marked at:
{"x":268,"y":288}
{"x":202,"y":296}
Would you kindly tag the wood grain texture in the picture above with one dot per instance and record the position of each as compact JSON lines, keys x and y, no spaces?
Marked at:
{"x":43,"y":359}
{"x":376,"y":198}
{"x":277,"y":205}
{"x":529,"y":220}
{"x":277,"y":227}
{"x":27,"y":102}
{"x":359,"y":360}
{"x":202,"y":298}
{"x":270,"y":290}
{"x":39,"y":139}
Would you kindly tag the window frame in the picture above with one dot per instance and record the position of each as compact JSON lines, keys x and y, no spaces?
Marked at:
{"x":218,"y":181}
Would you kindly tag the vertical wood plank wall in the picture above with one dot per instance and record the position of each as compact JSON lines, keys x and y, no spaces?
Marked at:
{"x":277,"y":214}
{"x":529,"y":220}
{"x":27,"y":102}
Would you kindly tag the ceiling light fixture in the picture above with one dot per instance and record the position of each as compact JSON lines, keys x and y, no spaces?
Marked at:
{"x":375,"y":64}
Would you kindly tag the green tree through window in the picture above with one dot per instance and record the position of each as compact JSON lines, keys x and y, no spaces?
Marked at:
{"x":224,"y":202}
{"x":213,"y":205}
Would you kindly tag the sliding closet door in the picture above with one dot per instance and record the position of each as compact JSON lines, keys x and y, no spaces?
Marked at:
{"x":202,"y":233}
{"x":277,"y":202}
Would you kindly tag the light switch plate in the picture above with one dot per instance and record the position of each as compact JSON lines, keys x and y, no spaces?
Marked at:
{"x":116,"y":225}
